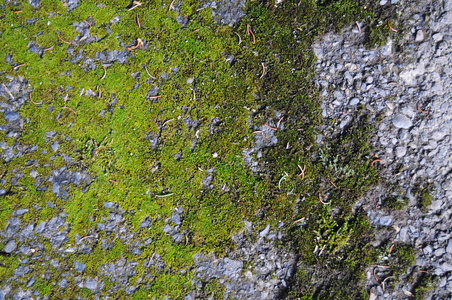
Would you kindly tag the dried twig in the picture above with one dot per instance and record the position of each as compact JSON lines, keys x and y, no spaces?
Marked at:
{"x":372,"y":163}
{"x":50,"y":48}
{"x":299,"y":220}
{"x":65,"y":107}
{"x":153,"y":97}
{"x":320,"y":199}
{"x":279,"y":122}
{"x":146,"y":68}
{"x":138,"y":22}
{"x":63,"y":40}
{"x":408,"y":293}
{"x":240,"y":39}
{"x":270,"y":127}
{"x":375,"y":275}
{"x":422,"y":111}
{"x":105,"y":73}
{"x":383,"y":282}
{"x":18,"y":66}
{"x":95,"y":153}
{"x":249,"y":31}
{"x":87,"y":23}
{"x":282,"y":178}
{"x":89,"y":236}
{"x":17,"y":11}
{"x":259,"y":131}
{"x":333,"y":184}
{"x":8,"y":91}
{"x":136,"y":4}
{"x":35,"y":103}
{"x":393,"y":29}
{"x":375,"y":202}
{"x":111,"y":180}
{"x":149,"y":263}
{"x":163,"y":196}
{"x":359,"y":27}
{"x":171,"y":5}
{"x":263,"y":70}
{"x":166,"y":122}
{"x":100,"y":92}
{"x":139,"y":43}
{"x":302,"y":171}
{"x":390,"y":249}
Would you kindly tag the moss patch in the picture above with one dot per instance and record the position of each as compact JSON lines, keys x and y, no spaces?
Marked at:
{"x":112,"y":134}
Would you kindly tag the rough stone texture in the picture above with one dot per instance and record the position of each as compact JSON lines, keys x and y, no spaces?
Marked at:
{"x":269,"y":268}
{"x":410,"y":91}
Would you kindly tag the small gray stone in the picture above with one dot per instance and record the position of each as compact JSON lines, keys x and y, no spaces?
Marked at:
{"x":449,"y":247}
{"x":439,"y":252}
{"x":167,"y":229}
{"x":63,"y":284}
{"x":10,"y":246}
{"x":446,"y":267}
{"x":345,"y":121}
{"x":136,"y":251}
{"x":108,"y":204}
{"x":21,"y":270}
{"x":11,"y":116}
{"x":419,"y":35}
{"x":385,"y":221}
{"x":50,"y":134}
{"x":401,"y":121}
{"x":400,"y":152}
{"x":353,"y":101}
{"x":264,"y":232}
{"x":146,"y":223}
{"x":26,"y":232}
{"x":54,"y":263}
{"x":436,"y":205}
{"x":338,"y":95}
{"x":40,"y":228}
{"x":91,"y":284}
{"x":79,"y":267}
{"x":20,"y":212}
{"x":115,"y":20}
{"x":130,"y":290}
{"x":34,"y":3}
{"x":190,"y":80}
{"x":30,"y":282}
{"x":34,"y":173}
{"x":55,"y":146}
{"x":437,"y":37}
{"x":175,"y":218}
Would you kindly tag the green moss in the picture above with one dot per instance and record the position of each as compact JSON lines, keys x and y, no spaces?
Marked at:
{"x":397,"y":203}
{"x":278,"y":67}
{"x":403,"y":256}
{"x":425,"y":194}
